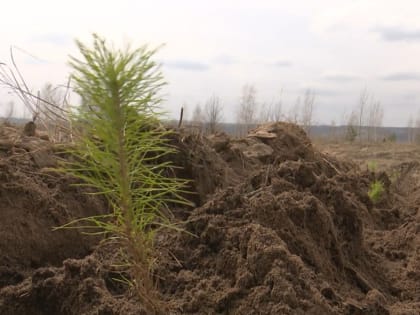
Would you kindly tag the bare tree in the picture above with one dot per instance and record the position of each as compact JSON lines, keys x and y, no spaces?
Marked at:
{"x":417,"y":128}
{"x":363,"y":101}
{"x":213,"y":113}
{"x":51,"y":95}
{"x":10,"y":111}
{"x":54,"y":117}
{"x":186,"y":112}
{"x":294,"y":111}
{"x":34,"y":105}
{"x":377,"y":114}
{"x":351,"y":128}
{"x":308,"y":110}
{"x":410,"y":129}
{"x":344,"y":119}
{"x":197,"y":119}
{"x":370,"y":122}
{"x":333,"y":131}
{"x":277,"y":111}
{"x":265,"y":113}
{"x":271,"y":112}
{"x":246,"y":115}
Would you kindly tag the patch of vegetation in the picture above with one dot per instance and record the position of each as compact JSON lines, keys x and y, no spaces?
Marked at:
{"x":394,"y":177}
{"x":351,"y":133}
{"x":120,"y":152}
{"x":372,"y":166}
{"x":376,"y":191}
{"x":392,"y":137}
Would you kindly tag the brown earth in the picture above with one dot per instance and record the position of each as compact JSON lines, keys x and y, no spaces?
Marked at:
{"x":278,"y":228}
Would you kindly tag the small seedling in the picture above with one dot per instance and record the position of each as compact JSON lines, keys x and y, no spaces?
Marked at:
{"x":395,"y":175}
{"x":375,"y":191}
{"x":372,"y":166}
{"x":120,"y":152}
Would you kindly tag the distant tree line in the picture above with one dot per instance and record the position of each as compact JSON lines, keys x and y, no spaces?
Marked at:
{"x":250,"y":112}
{"x":361,"y":124}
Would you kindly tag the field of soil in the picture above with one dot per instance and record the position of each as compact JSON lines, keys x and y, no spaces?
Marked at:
{"x":384,"y":155}
{"x":280,"y":226}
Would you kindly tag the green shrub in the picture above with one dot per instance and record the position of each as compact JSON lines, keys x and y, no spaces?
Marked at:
{"x":375,"y":191}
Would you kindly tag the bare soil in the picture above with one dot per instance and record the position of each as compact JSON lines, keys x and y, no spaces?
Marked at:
{"x":278,"y":227}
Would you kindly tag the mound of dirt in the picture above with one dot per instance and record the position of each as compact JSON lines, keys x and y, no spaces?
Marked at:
{"x":79,"y":287}
{"x":279,"y":228}
{"x":198,"y":162}
{"x":34,"y":200}
{"x":289,"y":240}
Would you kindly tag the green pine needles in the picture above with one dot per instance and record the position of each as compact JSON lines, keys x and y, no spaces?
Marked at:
{"x":121,"y":153}
{"x":376,"y":191}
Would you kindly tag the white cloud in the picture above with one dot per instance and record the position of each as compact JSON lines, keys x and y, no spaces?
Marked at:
{"x":402,"y":76}
{"x":334,"y":47}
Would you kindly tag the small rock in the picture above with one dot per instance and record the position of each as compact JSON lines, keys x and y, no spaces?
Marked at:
{"x":29,"y":129}
{"x":328,"y":293}
{"x":259,"y":151}
{"x":262,"y":134}
{"x":219,"y":141}
{"x":374,"y":297}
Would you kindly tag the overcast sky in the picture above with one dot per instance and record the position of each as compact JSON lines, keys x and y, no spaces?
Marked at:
{"x":336,"y":48}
